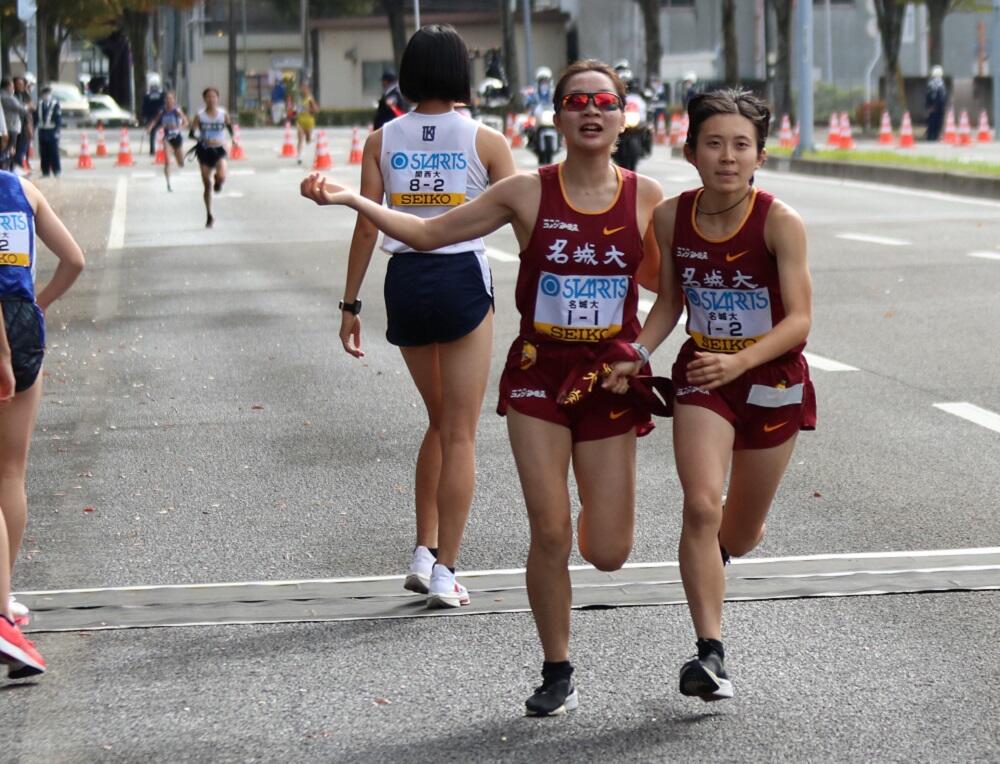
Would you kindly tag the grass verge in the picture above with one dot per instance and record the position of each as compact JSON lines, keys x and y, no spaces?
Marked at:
{"x":895,"y":159}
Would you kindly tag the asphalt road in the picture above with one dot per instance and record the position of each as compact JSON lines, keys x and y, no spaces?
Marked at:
{"x":202,"y":425}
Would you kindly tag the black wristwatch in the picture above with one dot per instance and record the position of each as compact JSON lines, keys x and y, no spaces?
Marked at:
{"x":351,"y":307}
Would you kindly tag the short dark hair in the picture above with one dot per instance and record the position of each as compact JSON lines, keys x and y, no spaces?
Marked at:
{"x":586,"y":65}
{"x":208,"y":90}
{"x":727,"y":101}
{"x":435,"y":64}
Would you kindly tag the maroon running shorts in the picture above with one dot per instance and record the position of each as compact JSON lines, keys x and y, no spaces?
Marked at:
{"x":766,"y":405}
{"x":535,"y":372}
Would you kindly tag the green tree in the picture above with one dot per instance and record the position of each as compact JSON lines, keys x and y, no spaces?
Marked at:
{"x":889,"y":14}
{"x":936,"y":12}
{"x":730,"y":50}
{"x":783,"y":56}
{"x":650,"y":10}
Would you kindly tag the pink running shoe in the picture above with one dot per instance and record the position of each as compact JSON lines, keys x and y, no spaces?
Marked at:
{"x":18,"y":651}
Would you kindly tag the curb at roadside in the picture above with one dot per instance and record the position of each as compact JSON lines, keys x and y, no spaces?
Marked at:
{"x":965,"y":184}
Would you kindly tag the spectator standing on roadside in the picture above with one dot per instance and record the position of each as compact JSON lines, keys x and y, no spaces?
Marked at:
{"x":22,"y":93}
{"x":15,"y":118}
{"x":935,"y":100}
{"x":152,"y":105}
{"x":278,"y":101}
{"x":49,"y":121}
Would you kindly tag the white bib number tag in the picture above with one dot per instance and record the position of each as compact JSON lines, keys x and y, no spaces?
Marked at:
{"x":15,"y":239}
{"x":580,"y":308}
{"x":727,"y":320}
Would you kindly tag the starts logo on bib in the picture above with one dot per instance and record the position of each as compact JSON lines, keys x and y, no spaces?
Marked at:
{"x":428,"y":160}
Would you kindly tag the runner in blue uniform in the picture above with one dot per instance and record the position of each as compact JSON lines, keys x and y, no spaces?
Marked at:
{"x":23,"y":212}
{"x":173,"y":120}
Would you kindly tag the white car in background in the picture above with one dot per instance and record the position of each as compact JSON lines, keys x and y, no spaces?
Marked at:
{"x":105,"y":109}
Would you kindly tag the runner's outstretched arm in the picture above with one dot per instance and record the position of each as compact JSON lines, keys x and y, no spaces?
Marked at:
{"x":483,"y":215}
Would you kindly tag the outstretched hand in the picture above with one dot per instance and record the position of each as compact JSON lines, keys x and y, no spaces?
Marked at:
{"x":321,"y":191}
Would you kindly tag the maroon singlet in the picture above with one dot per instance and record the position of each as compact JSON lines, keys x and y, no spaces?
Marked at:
{"x":730,"y":285}
{"x":576,"y":282}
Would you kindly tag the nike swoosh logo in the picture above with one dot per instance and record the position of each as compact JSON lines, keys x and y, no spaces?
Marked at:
{"x":737,"y":256}
{"x":618,"y":414}
{"x":773,"y":427}
{"x":609,"y":231}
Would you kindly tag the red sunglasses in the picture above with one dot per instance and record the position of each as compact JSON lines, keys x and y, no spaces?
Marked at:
{"x":603,"y":101}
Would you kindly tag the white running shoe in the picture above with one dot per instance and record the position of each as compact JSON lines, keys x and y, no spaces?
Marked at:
{"x":444,"y":590}
{"x":19,"y":612}
{"x":419,"y":577}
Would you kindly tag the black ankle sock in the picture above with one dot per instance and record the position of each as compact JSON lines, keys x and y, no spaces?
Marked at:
{"x":553,"y":670}
{"x":433,"y":550}
{"x":706,"y":646}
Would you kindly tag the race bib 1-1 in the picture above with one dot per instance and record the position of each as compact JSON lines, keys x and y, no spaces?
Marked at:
{"x":15,"y":239}
{"x":580,"y":308}
{"x":727,"y":320}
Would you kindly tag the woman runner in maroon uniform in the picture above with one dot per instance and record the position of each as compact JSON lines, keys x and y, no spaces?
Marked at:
{"x":741,"y":384}
{"x":581,"y":227}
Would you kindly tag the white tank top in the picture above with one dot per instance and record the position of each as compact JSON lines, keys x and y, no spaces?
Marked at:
{"x":212,"y":129}
{"x":430,"y":165}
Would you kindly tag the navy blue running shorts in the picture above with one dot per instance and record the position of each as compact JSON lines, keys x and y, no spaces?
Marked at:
{"x":209,"y":155}
{"x":434,"y":298}
{"x":25,"y":326}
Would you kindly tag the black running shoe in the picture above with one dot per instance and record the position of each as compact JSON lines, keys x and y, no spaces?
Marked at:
{"x":706,"y":678}
{"x":554,"y":697}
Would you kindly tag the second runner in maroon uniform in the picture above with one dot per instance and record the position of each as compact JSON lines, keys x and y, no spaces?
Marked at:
{"x":741,"y":384}
{"x":733,"y":295}
{"x":576,"y":288}
{"x":581,"y":229}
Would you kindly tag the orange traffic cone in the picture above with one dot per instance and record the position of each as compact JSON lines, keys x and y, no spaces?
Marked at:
{"x":846,"y":134}
{"x":833,"y":132}
{"x":124,"y":151}
{"x":885,"y":132}
{"x":102,"y":148}
{"x":323,"y":159}
{"x":785,"y":133}
{"x":950,"y":133}
{"x":237,"y":150}
{"x":355,"y":156}
{"x":795,"y":134}
{"x":675,"y":129}
{"x":516,"y":140}
{"x":984,"y":128}
{"x":685,"y":124}
{"x":84,"y":162}
{"x":161,"y":148}
{"x":964,"y":130}
{"x":906,"y":132}
{"x":288,"y":148}
{"x":661,"y":129}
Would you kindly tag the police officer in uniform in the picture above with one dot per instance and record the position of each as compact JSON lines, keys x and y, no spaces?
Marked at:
{"x":391,"y":104}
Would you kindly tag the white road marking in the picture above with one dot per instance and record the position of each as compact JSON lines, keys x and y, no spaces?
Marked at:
{"x":827,"y":364}
{"x":869,"y":239}
{"x":645,"y":306}
{"x":116,"y":236}
{"x":986,"y":255}
{"x":143,"y":175}
{"x":247,"y":171}
{"x":922,"y":553}
{"x":234,"y":194}
{"x":500,"y":256}
{"x":971,"y":412}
